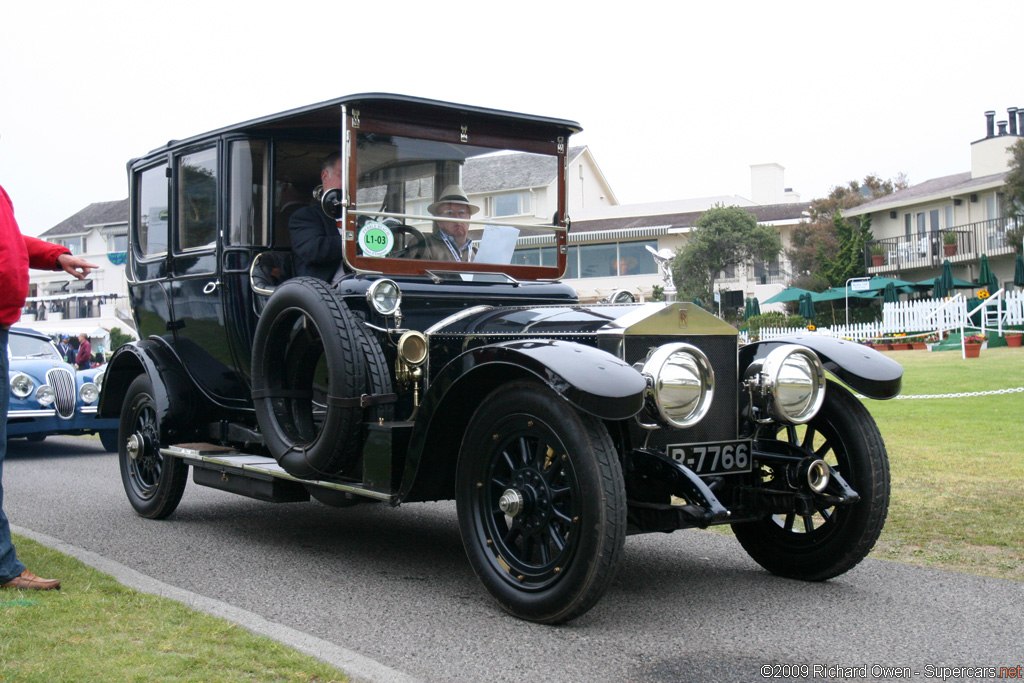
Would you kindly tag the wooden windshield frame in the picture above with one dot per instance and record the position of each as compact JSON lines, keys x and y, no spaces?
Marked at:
{"x":479,"y":132}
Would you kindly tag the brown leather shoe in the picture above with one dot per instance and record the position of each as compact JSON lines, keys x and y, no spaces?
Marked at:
{"x":29,"y":581}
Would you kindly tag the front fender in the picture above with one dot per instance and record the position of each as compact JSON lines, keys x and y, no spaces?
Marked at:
{"x":859,"y":367}
{"x":593,"y":380}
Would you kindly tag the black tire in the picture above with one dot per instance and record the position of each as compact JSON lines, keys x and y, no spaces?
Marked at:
{"x":553,"y":560}
{"x":108,"y":437}
{"x":35,"y":438}
{"x":306,"y":366}
{"x":154,"y":482}
{"x":834,"y":539}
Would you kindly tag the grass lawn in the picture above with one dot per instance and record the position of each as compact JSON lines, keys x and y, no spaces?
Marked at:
{"x":95,"y":629}
{"x":957,"y":463}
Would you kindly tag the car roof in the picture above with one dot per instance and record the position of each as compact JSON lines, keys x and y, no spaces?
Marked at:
{"x":28,"y":332}
{"x":324,"y":115}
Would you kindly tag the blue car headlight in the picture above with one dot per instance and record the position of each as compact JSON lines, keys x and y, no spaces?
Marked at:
{"x":89,"y":393}
{"x":22,"y":385}
{"x":45,"y":395}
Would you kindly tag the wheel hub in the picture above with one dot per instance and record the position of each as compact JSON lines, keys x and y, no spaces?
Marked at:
{"x":134,"y":446}
{"x":511,"y":502}
{"x":529,"y":498}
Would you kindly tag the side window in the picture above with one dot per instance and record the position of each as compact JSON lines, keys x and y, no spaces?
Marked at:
{"x":151,"y":221}
{"x":248,"y":193}
{"x":197,"y":200}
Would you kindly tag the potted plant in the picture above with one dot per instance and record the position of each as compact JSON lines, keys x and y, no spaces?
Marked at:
{"x":972,"y":345}
{"x":1013,"y":338}
{"x":877,"y":254}
{"x":949,"y":243}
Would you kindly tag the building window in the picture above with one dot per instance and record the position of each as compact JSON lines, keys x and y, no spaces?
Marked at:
{"x":75,"y":244}
{"x":907,"y":225}
{"x":933,"y":220}
{"x":117,"y":244}
{"x":949,"y":216}
{"x":510,"y":204}
{"x":922,"y":227}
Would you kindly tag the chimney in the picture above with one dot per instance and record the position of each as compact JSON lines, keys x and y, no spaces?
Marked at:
{"x":1012,"y":118}
{"x":1002,"y":127}
{"x":990,"y":123}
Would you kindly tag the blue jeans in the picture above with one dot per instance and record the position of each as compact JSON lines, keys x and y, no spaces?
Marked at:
{"x":10,"y":567}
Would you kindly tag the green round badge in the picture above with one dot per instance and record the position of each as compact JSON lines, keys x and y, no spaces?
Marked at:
{"x":376,"y":239}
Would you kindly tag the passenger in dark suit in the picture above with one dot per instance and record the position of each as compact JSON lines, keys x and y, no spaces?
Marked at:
{"x":316,"y":239}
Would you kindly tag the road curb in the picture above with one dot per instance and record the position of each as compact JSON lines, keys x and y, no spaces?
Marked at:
{"x":358,"y":667}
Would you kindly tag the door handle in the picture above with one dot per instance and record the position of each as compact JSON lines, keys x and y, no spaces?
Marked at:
{"x":211,"y":286}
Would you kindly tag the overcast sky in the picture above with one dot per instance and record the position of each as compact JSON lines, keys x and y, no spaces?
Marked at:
{"x":676,"y":99}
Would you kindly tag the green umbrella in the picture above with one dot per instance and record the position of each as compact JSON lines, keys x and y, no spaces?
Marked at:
{"x":877,"y":283}
{"x":788,"y":294}
{"x":985,"y":277}
{"x":1018,"y":272}
{"x":807,"y":306}
{"x":947,"y":276}
{"x":755,"y":306}
{"x":889,"y":295}
{"x":939,"y":290}
{"x":841,"y":293}
{"x":748,"y":309}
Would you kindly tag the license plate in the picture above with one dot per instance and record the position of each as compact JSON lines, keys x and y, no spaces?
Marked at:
{"x":722,"y":457}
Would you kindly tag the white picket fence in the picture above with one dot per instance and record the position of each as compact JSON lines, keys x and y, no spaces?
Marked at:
{"x":924,"y":316}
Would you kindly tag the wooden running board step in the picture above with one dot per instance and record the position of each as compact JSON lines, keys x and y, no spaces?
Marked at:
{"x":229,"y":460}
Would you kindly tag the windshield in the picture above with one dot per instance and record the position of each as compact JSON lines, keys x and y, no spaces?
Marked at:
{"x":427,"y":205}
{"x":31,"y":347}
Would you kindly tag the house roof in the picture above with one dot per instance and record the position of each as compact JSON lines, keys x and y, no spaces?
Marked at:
{"x":98,"y":213}
{"x":763,"y":214}
{"x":937,"y":188}
{"x":512,"y":171}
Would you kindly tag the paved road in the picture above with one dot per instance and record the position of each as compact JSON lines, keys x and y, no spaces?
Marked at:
{"x":394,"y":585}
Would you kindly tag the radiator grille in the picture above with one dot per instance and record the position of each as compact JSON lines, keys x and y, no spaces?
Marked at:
{"x":721,"y":422}
{"x":63,"y":384}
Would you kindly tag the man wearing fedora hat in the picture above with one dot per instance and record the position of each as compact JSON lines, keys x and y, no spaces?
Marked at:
{"x":450,"y":239}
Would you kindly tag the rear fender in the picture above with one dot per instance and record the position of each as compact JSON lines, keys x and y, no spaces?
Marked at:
{"x":170,"y":381}
{"x":859,"y":367}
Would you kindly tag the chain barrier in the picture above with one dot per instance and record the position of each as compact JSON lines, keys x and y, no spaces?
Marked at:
{"x":964,"y":394}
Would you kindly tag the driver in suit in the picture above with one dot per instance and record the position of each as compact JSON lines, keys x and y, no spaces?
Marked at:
{"x":316,"y":237}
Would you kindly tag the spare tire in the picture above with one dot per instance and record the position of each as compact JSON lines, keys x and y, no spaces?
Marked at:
{"x":308,"y":372}
{"x":378,"y":385}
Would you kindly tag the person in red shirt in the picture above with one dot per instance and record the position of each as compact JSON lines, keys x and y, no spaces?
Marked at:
{"x":17,"y":253}
{"x":83,"y":359}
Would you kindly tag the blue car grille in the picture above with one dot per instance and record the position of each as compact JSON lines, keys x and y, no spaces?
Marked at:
{"x":63,"y":384}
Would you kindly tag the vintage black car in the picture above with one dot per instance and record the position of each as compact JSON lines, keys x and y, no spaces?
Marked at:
{"x":558,"y":427}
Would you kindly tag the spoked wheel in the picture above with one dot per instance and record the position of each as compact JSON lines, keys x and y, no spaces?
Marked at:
{"x":541,"y":502}
{"x":154,"y":483}
{"x":828,"y":540}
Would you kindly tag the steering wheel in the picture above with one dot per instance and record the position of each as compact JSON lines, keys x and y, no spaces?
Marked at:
{"x":411,"y":240}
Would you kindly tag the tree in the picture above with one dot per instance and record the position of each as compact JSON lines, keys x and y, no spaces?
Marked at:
{"x":724,"y":236}
{"x":1015,"y":195}
{"x":830,"y":245}
{"x":118,"y":338}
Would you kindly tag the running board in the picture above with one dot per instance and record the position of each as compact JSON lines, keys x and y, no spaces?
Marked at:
{"x":257,"y":476}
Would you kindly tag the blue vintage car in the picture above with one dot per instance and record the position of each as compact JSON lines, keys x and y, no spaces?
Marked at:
{"x":48,"y":396}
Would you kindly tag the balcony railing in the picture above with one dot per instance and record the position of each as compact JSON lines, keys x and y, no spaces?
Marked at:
{"x":928,"y":250}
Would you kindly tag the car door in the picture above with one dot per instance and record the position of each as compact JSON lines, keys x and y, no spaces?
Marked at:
{"x":195,"y":292}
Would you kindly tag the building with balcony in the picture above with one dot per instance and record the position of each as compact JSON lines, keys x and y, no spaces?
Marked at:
{"x":957,"y":217}
{"x":60,"y":304}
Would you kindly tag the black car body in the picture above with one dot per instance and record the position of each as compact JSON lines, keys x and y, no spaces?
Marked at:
{"x":558,"y":427}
